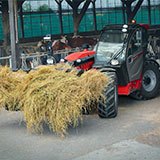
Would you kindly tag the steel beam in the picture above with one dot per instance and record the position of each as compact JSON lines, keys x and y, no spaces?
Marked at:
{"x":149,"y":12}
{"x":12,"y":10}
{"x":94,"y":15}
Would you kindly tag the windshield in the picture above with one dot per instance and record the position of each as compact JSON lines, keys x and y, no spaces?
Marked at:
{"x":111,"y":42}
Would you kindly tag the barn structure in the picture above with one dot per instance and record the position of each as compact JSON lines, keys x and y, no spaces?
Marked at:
{"x":29,"y":20}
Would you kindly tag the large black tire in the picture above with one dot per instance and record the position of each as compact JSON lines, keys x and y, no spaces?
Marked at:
{"x":150,"y":82}
{"x":108,"y":108}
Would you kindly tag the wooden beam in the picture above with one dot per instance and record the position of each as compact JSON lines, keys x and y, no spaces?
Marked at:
{"x":131,"y":11}
{"x":136,"y":8}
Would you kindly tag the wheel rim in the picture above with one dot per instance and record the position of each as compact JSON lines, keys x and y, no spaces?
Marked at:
{"x":51,"y":61}
{"x":149,"y":80}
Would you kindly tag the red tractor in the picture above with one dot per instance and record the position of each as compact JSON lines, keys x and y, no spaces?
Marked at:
{"x":129,"y":55}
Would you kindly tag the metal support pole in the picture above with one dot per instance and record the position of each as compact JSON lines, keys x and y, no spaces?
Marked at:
{"x":60,"y":16}
{"x":22,"y":22}
{"x":59,"y":3}
{"x":149,"y":12}
{"x":123,"y":11}
{"x":94,"y":15}
{"x":11,"y":4}
{"x":16,"y":20}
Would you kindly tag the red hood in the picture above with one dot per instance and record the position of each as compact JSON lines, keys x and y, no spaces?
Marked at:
{"x":79,"y":55}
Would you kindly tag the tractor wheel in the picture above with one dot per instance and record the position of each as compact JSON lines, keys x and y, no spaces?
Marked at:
{"x":150,"y":82}
{"x":51,"y":60}
{"x":108,"y":108}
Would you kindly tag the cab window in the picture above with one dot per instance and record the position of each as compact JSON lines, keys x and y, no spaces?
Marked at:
{"x":135,"y":44}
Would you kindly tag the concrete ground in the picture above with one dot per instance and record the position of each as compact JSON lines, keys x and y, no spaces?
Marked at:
{"x":133,"y":135}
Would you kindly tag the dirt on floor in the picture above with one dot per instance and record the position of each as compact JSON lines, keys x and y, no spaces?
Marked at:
{"x":151,"y":138}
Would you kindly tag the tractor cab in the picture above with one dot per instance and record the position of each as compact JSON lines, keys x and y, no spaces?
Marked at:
{"x":122,"y":48}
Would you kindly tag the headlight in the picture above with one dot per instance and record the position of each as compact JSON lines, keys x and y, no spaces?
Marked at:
{"x":124,"y":30}
{"x":114,"y":62}
{"x":78,"y":60}
{"x":125,"y":26}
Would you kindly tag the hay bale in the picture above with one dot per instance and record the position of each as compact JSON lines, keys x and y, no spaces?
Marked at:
{"x":8,"y":84}
{"x":56,"y":98}
{"x":46,"y":97}
{"x":51,"y":95}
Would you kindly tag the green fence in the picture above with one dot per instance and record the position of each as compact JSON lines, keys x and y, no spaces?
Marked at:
{"x":142,"y":15}
{"x":40,"y":24}
{"x":1,"y":28}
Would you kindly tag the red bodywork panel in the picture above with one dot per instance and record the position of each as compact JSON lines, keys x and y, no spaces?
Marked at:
{"x":146,"y":26}
{"x":86,"y":66}
{"x":130,"y":87}
{"x":79,"y":55}
{"x":86,"y":57}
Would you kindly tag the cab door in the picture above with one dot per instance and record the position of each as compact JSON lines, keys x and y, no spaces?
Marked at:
{"x":135,"y":51}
